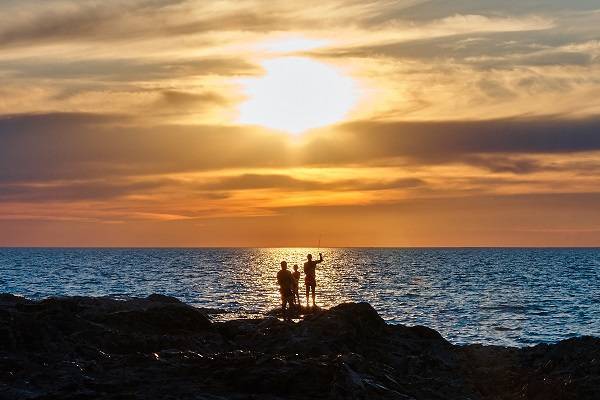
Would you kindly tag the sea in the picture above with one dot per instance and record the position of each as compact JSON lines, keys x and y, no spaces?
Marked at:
{"x":500,"y":296}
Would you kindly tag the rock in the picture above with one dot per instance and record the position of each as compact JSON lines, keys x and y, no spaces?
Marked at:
{"x":167,"y":319}
{"x":159,"y":347}
{"x":160,"y":298}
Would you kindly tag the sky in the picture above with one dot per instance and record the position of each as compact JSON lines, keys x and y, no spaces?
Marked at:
{"x":278,"y":123}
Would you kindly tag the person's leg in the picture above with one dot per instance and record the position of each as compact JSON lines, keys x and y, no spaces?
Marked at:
{"x":307,"y":294}
{"x":313,"y":296}
{"x":289,"y":309}
{"x":284,"y":308}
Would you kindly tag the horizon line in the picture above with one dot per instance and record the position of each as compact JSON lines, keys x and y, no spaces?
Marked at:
{"x":300,"y":247}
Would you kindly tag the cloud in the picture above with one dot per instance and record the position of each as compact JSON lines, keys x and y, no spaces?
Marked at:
{"x":85,"y":146}
{"x":68,"y":146}
{"x":503,"y":164}
{"x":475,"y":114}
{"x":126,"y":70}
{"x":495,"y":89}
{"x":61,"y":20}
{"x":183,"y":99}
{"x":92,"y":56}
{"x":159,"y":187}
{"x":490,"y":49}
{"x":289,"y":183}
{"x":505,"y":220}
{"x":178,"y":102}
{"x":75,"y":191}
{"x":452,"y":140}
{"x":434,"y":9}
{"x":80,"y":21}
{"x":118,"y":21}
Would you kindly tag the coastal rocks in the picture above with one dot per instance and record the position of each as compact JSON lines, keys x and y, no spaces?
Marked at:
{"x":158,"y":347}
{"x":569,"y":369}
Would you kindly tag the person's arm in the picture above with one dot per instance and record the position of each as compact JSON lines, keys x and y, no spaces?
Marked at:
{"x":320,"y":260}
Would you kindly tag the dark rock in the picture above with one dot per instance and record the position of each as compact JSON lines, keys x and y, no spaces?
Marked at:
{"x":159,"y":347}
{"x":167,"y":319}
{"x":161,"y":298}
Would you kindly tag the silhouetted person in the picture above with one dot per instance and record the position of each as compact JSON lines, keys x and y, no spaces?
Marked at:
{"x":296,"y":275}
{"x":286,"y":288}
{"x":310,"y":279}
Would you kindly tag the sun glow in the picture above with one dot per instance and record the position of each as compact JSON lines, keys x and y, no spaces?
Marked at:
{"x":297,"y":94}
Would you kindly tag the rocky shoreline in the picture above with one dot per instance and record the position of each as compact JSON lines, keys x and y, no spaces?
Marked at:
{"x":161,"y":348}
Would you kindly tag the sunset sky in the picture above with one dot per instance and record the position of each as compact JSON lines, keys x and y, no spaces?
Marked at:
{"x":276,"y":123}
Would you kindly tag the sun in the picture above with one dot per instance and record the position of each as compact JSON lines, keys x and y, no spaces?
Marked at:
{"x":297,"y":94}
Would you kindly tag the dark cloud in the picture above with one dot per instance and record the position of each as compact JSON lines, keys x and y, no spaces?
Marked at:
{"x":87,"y":19}
{"x":182,"y":99}
{"x":114,"y":20}
{"x":242,"y":20}
{"x":178,"y":102}
{"x":437,"y":9}
{"x":75,"y":191}
{"x":492,"y":50}
{"x":125,"y":21}
{"x":215,"y":189}
{"x":514,"y":165}
{"x":125,"y":70}
{"x":457,"y":47}
{"x":539,"y":59}
{"x":68,"y":146}
{"x":537,"y":84}
{"x":554,"y":58}
{"x":495,"y":89}
{"x":289,"y":183}
{"x":83,"y":146}
{"x":453,"y":140}
{"x":260,"y":181}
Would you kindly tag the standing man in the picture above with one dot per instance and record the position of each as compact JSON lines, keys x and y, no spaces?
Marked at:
{"x":286,"y":288}
{"x":310,"y":279}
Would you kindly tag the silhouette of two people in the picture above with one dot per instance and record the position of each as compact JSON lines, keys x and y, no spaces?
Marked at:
{"x":289,"y":282}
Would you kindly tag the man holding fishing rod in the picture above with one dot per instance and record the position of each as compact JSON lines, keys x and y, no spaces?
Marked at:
{"x":310,"y":280}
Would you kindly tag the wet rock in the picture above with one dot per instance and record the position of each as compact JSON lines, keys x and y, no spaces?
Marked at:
{"x":159,"y":347}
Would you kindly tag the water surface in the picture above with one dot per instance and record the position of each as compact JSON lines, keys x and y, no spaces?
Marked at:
{"x":493,"y":296}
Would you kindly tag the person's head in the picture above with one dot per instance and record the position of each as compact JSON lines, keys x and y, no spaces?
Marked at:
{"x":295,"y":267}
{"x":283,"y":265}
{"x":309,"y":257}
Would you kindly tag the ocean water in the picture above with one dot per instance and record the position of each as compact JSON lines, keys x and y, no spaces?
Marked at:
{"x":498,"y":296}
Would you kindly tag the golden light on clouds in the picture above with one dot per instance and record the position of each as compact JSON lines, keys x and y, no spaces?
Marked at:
{"x":297,"y":94}
{"x":407,"y":122}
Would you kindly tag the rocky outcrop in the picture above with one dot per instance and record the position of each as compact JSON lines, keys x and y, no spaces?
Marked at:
{"x":160,"y":348}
